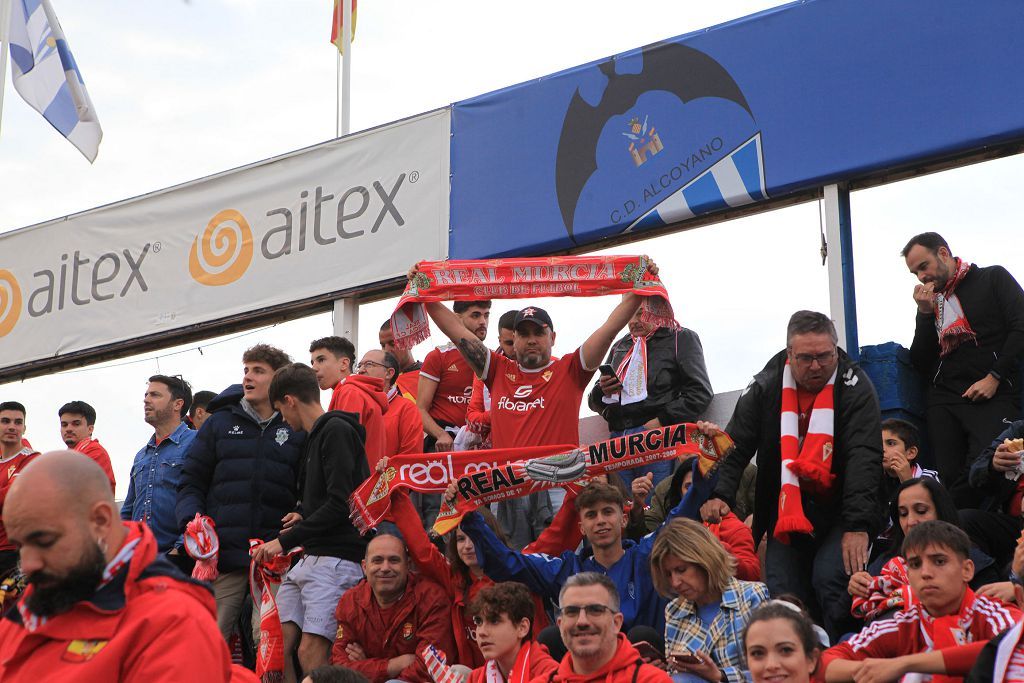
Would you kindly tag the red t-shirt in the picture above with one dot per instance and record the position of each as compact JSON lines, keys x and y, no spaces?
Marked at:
{"x":9,"y":469}
{"x":98,"y":453}
{"x":446,"y":366}
{"x":536,"y":407}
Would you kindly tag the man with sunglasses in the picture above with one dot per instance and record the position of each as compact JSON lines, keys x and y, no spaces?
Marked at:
{"x":812,"y":417}
{"x":590,"y":622}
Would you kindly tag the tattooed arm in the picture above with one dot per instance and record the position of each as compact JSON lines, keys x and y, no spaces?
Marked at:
{"x":471,"y":348}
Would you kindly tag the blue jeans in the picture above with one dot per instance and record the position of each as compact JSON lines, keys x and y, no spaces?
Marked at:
{"x":661,"y":469}
{"x":812,"y":569}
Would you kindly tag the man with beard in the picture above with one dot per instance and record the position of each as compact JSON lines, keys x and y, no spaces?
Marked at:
{"x":590,"y":623}
{"x":15,"y":455}
{"x":102,"y":604}
{"x":968,"y":342}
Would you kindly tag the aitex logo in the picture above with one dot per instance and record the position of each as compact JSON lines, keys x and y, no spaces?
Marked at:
{"x":10,"y":301}
{"x":223,"y":252}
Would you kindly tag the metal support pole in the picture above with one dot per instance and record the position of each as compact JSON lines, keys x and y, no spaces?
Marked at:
{"x":842,"y":290}
{"x":346,"y":319}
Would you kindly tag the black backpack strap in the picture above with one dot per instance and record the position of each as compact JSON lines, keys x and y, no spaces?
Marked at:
{"x":636,"y":671}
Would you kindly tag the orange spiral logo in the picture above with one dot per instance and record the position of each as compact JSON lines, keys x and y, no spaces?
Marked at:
{"x":223,"y":252}
{"x":10,"y":301}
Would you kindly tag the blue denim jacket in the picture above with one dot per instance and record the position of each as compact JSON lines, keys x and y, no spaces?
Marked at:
{"x":153,"y":490}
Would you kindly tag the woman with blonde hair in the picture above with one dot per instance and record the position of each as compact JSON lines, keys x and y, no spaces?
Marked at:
{"x":710,"y":607}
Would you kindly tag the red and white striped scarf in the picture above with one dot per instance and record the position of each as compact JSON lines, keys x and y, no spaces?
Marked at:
{"x":1009,"y":665}
{"x":807,"y":463}
{"x":203,"y":546}
{"x":950,"y":321}
{"x":632,"y":373}
{"x":437,"y":665}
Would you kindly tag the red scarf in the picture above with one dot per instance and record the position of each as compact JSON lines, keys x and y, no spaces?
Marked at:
{"x":948,"y":631}
{"x":1009,"y":664}
{"x":803,"y":464}
{"x":950,"y":321}
{"x":437,"y":665}
{"x":270,"y":653}
{"x":203,"y":546}
{"x":632,"y":374}
{"x":888,"y":591}
{"x":526,"y":278}
{"x":118,"y":564}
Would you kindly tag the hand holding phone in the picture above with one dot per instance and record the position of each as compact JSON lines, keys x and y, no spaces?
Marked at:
{"x":648,"y":651}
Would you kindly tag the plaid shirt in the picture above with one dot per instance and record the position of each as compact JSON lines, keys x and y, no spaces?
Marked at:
{"x":685,"y":631}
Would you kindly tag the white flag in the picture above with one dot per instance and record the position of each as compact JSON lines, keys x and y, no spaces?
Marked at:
{"x":46,"y":76}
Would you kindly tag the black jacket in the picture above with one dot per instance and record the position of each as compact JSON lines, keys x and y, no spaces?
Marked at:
{"x":999,"y":489}
{"x":241,"y":475}
{"x":857,"y":459}
{"x":993,"y":303}
{"x":332,"y":466}
{"x":678,"y":388}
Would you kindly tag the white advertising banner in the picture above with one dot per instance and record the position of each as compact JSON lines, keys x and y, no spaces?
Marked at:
{"x":333,"y":217}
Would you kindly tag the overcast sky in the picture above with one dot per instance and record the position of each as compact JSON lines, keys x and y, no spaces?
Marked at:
{"x":187,"y":89}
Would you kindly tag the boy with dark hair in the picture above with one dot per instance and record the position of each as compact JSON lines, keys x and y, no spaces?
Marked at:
{"x":77,"y":421}
{"x":15,"y":454}
{"x":198,"y":412}
{"x":503,"y":615}
{"x":332,"y":465}
{"x":947,"y":614}
{"x":241,"y":472}
{"x":901,"y":443}
{"x":333,"y":359}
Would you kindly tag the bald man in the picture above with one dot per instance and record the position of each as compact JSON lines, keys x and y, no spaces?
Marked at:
{"x":101,"y":603}
{"x":388,"y":617}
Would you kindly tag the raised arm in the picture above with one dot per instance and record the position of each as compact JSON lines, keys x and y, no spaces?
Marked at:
{"x":471,"y":348}
{"x":597,"y":345}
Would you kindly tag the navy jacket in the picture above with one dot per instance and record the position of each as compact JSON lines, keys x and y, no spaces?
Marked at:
{"x":242,"y":476}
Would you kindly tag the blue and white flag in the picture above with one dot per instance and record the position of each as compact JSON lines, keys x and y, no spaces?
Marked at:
{"x":46,"y":76}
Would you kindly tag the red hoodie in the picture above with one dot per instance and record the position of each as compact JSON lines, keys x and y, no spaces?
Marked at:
{"x":364,"y":396}
{"x":154,"y":624}
{"x":625,"y":666}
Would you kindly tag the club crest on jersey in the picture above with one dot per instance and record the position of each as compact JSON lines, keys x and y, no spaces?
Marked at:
{"x":282,"y":436}
{"x":546,"y":375}
{"x":407,"y":630}
{"x":83,"y":650}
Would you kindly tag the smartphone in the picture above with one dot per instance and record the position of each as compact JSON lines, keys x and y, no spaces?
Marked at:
{"x":686,"y":658}
{"x":607,"y":370}
{"x":648,"y":651}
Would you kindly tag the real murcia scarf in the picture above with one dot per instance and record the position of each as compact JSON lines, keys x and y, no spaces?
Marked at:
{"x":950,"y":321}
{"x":437,"y":665}
{"x":203,"y":546}
{"x":526,"y":278}
{"x":270,"y":653}
{"x":118,"y":564}
{"x":948,"y":631}
{"x":484,"y":477}
{"x":803,"y":464}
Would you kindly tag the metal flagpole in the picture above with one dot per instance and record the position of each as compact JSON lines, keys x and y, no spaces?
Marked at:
{"x":337,"y":77}
{"x":5,"y":48}
{"x":346,"y":67}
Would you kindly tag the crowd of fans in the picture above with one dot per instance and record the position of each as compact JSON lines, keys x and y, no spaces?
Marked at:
{"x":838,"y":557}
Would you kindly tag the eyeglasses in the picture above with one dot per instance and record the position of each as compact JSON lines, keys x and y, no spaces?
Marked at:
{"x":369,"y":364}
{"x":808,"y":358}
{"x":593,"y":611}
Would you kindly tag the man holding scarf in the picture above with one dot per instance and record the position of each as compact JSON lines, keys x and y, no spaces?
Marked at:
{"x":812,"y":417}
{"x":969,"y":341}
{"x":660,"y":379}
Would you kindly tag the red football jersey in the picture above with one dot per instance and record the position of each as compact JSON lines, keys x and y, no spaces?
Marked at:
{"x":9,"y":469}
{"x":446,"y":366}
{"x":536,"y":407}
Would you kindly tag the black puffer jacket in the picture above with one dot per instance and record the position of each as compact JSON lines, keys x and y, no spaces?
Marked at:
{"x":242,"y":476}
{"x":678,"y":388}
{"x":857,"y":459}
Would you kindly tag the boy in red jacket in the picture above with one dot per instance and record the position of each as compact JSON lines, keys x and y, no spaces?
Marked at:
{"x":590,"y":623}
{"x":928,"y":635}
{"x":503,"y":615}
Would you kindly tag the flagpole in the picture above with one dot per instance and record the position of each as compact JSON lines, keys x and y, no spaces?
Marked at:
{"x":337,"y":79}
{"x":346,"y":68}
{"x":5,"y":49}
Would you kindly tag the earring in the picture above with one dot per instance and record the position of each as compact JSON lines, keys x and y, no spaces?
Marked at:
{"x":102,"y":544}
